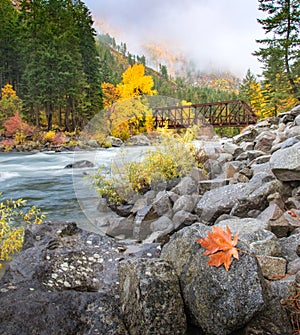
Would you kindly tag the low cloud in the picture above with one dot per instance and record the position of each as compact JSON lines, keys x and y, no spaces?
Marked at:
{"x":214,"y":34}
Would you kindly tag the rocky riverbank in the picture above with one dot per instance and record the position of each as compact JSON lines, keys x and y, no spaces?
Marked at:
{"x":71,"y":144}
{"x":157,"y":281}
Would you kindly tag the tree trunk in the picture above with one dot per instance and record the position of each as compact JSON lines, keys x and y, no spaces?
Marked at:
{"x":59,"y":116}
{"x":49,"y":114}
{"x":286,"y":54}
{"x":73,"y":114}
{"x":67,"y":111}
{"x":37,"y":115}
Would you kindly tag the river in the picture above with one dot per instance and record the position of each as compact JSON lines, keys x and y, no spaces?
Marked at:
{"x":62,"y":194}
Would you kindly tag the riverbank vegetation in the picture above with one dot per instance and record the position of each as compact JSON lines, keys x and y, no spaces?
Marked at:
{"x":13,"y":219}
{"x":173,"y":156}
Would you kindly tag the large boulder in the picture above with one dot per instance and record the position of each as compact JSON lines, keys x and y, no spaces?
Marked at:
{"x":237,"y":199}
{"x":255,"y":234}
{"x":291,"y":247}
{"x":186,"y":203}
{"x":114,"y":141}
{"x":295,"y":111}
{"x":119,"y":227}
{"x":231,"y":148}
{"x":217,"y":301}
{"x":187,"y":186}
{"x":183,"y":218}
{"x":264,"y":141}
{"x":163,"y":224}
{"x":65,"y":281}
{"x":29,"y":310}
{"x":162,"y":204}
{"x":198,"y":174}
{"x":247,"y":135}
{"x":285,"y":163}
{"x":142,"y":222}
{"x":138,"y":140}
{"x":151,"y":302}
{"x":230,"y":168}
{"x":292,"y":131}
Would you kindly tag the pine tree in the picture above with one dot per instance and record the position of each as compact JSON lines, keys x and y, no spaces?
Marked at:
{"x":8,"y":48}
{"x":59,"y":61}
{"x":251,"y":92}
{"x":283,"y":26}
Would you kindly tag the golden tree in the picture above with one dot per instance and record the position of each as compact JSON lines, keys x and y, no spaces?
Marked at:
{"x":127,"y":112}
{"x":10,"y":103}
{"x":129,"y":117}
{"x":135,"y":83}
{"x":8,"y":92}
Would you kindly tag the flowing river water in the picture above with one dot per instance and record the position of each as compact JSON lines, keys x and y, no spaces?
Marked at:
{"x":62,"y":194}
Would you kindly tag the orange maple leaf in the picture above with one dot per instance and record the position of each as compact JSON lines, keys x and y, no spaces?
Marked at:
{"x":220,"y":247}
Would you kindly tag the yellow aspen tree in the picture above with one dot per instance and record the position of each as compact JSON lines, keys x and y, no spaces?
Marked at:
{"x":10,"y":103}
{"x":135,"y":83}
{"x":8,"y":92}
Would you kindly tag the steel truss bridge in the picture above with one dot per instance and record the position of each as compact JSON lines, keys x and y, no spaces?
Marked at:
{"x":218,"y":114}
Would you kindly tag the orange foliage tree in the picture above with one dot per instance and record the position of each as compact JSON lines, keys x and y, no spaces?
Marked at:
{"x":110,"y":94}
{"x":18,"y":129}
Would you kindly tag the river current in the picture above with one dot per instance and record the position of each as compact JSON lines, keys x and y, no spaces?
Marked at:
{"x":62,"y":194}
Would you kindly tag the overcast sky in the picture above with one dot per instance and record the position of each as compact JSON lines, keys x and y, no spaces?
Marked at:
{"x":215,"y":34}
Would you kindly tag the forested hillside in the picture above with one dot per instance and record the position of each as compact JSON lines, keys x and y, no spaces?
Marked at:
{"x":58,"y":73}
{"x":193,"y":86}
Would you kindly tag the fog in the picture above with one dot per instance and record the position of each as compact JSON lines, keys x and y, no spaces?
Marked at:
{"x":217,"y":35}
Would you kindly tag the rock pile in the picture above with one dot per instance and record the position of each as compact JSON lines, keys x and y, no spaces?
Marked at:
{"x":83,"y":283}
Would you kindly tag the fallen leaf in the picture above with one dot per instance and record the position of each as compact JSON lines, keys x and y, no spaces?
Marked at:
{"x":220,"y":246}
{"x":292,"y":213}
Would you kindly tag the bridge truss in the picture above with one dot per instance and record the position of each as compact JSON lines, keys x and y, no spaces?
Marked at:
{"x":218,"y":114}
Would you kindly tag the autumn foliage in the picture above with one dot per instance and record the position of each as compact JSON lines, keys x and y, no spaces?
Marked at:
{"x":110,"y":94}
{"x":13,"y":219}
{"x":15,"y":124}
{"x":220,"y":247}
{"x":135,"y":83}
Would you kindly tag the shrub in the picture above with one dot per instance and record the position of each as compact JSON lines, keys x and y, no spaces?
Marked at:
{"x":174,"y":156}
{"x":15,"y":124}
{"x":8,"y":144}
{"x":49,"y":136}
{"x":59,"y":139}
{"x":55,"y":138}
{"x":12,"y":220}
{"x":19,"y":137}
